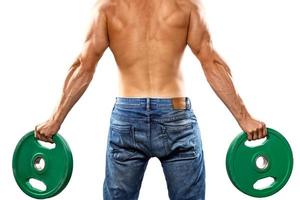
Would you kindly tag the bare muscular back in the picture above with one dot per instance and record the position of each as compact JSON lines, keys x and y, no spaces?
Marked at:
{"x":147,"y":39}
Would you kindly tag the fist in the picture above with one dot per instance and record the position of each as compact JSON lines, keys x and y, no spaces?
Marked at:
{"x":255,"y":129}
{"x":46,"y":130}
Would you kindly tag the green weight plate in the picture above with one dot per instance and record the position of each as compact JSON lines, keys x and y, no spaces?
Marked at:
{"x":57,"y":169}
{"x":242,"y":169}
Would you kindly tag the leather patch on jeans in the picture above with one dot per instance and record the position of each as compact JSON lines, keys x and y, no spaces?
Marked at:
{"x":179,"y":103}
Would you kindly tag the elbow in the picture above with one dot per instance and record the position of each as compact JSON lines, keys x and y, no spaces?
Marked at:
{"x":84,"y":71}
{"x":81,"y":71}
{"x":213,"y":64}
{"x":214,"y":70}
{"x":85,"y":74}
{"x":86,"y":66}
{"x":83,"y":66}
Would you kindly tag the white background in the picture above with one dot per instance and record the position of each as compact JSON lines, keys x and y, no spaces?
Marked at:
{"x":39,"y":40}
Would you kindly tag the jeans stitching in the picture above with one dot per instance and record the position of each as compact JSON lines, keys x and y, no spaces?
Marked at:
{"x":165,"y":139}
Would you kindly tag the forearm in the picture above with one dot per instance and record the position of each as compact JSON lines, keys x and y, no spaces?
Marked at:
{"x":76,"y":83}
{"x":219,"y":77}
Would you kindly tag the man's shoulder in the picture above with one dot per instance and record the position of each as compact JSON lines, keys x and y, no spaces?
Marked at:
{"x":190,"y":4}
{"x":104,"y":5}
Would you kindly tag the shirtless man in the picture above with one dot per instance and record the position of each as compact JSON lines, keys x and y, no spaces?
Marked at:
{"x":152,"y":117}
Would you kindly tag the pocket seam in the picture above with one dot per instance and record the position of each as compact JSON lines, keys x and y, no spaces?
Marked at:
{"x":121,"y":128}
{"x":178,"y":128}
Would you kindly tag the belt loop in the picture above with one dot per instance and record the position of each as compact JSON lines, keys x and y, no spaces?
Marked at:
{"x":148,"y":103}
{"x":188,"y":103}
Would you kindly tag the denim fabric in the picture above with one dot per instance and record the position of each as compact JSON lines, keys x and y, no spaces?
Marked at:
{"x":141,"y":128}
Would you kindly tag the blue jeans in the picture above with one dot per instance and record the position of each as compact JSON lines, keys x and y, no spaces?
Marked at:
{"x":141,"y":128}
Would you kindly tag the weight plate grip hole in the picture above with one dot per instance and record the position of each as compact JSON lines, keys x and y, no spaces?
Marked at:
{"x":47,"y":145}
{"x":255,"y":143}
{"x":263,"y":183}
{"x":37,"y":184}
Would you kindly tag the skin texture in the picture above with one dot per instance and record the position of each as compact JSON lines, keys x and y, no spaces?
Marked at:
{"x":147,"y":39}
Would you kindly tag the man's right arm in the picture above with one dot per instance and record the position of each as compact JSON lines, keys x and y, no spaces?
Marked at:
{"x":80,"y":73}
{"x":218,"y":73}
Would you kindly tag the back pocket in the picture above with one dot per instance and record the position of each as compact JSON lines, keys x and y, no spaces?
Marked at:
{"x":181,"y":139}
{"x":121,"y":141}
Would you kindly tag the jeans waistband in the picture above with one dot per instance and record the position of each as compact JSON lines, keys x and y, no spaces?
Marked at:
{"x":149,"y":103}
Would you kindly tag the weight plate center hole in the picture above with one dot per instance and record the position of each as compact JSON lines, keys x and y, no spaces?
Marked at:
{"x":39,"y":163}
{"x":262,"y":162}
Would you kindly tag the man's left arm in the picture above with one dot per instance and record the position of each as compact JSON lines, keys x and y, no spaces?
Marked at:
{"x":218,"y":73}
